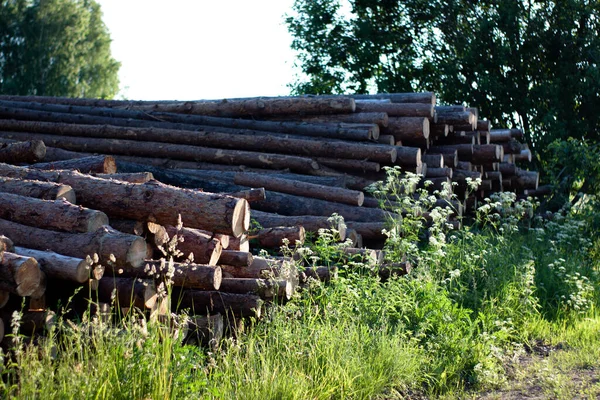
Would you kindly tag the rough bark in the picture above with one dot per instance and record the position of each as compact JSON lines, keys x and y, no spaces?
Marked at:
{"x":22,"y":152}
{"x":276,"y":236}
{"x":128,"y":250}
{"x":250,"y":195}
{"x":206,"y":249}
{"x":407,"y":128}
{"x":265,"y":288}
{"x":57,"y":266}
{"x":486,"y":153}
{"x":205,"y":330}
{"x":131,"y":177}
{"x":310,"y":223}
{"x":192,"y":276}
{"x":397,"y":109}
{"x":210,"y":302}
{"x":419,"y":97}
{"x":130,"y":292}
{"x":86,"y":165}
{"x":368,"y":230}
{"x":350,"y":165}
{"x":433,"y":160}
{"x":408,"y":156}
{"x":37,"y":189}
{"x":236,"y":258}
{"x":55,"y":215}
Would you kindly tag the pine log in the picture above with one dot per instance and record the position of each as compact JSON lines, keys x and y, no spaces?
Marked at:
{"x":4,"y":297}
{"x":6,"y":244}
{"x":131,"y":177}
{"x":265,"y":288}
{"x":250,"y":195}
{"x":395,"y":269}
{"x":34,"y":322}
{"x":486,"y":153}
{"x":433,"y":160}
{"x":465,"y":151}
{"x":130,"y":292}
{"x":353,"y":237}
{"x":439,"y":172}
{"x":22,"y":152}
{"x":368,"y":230}
{"x":263,"y":268}
{"x":150,"y":231}
{"x":457,"y":118}
{"x":57,"y":266}
{"x":310,"y":223}
{"x":512,"y":147}
{"x":320,"y":273}
{"x":236,"y":258}
{"x":210,"y":302}
{"x":205,"y":248}
{"x":37,"y":189}
{"x":176,"y":151}
{"x":350,"y":165}
{"x":450,"y":108}
{"x":500,"y":135}
{"x":257,"y":107}
{"x":151,"y":200}
{"x":387,"y":139}
{"x":86,"y":165}
{"x":334,"y":194}
{"x":524,"y":155}
{"x":287,"y":204}
{"x":241,"y":243}
{"x":379,"y":118}
{"x":193,"y":276}
{"x":408,"y":156}
{"x":507,"y":169}
{"x":19,"y":275}
{"x":397,"y":109}
{"x":438,"y":130}
{"x":128,"y":250}
{"x":408,"y":128}
{"x":205,"y":331}
{"x":541,"y":191}
{"x":424,"y":97}
{"x":527,"y":179}
{"x":276,"y":237}
{"x":56,"y":215}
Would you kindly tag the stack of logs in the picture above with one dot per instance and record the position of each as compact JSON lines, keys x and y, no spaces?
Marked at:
{"x":296,"y":160}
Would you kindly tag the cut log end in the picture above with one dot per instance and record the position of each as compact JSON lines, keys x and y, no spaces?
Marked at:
{"x":137,"y":252}
{"x":241,"y":218}
{"x":217,"y":277}
{"x":28,"y":277}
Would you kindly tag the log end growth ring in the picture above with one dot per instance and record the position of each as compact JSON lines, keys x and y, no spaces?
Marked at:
{"x":240,"y":218}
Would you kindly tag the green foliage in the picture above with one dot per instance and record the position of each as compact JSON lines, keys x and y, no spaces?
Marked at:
{"x":55,"y":48}
{"x":532,"y":64}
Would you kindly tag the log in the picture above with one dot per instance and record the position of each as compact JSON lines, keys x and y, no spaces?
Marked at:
{"x":263,"y":268}
{"x":55,"y":215}
{"x":6,"y":244}
{"x":205,"y":248}
{"x":264,"y":288}
{"x":397,"y":109}
{"x":205,"y":330}
{"x":234,"y":108}
{"x":210,"y":302}
{"x":433,"y":160}
{"x":320,"y":273}
{"x":150,"y":231}
{"x":339,"y":195}
{"x":37,"y":189}
{"x":250,"y":195}
{"x":311,"y":223}
{"x":131,"y":177}
{"x":57,"y":266}
{"x":408,"y":156}
{"x":150,"y":201}
{"x":374,"y":257}
{"x":387,"y":139}
{"x":457,"y":118}
{"x":368,"y":230}
{"x":130,"y":292}
{"x":236,"y":258}
{"x":486,"y":153}
{"x":394,"y":269}
{"x":93,"y":164}
{"x":276,"y":237}
{"x":465,"y":151}
{"x":439,"y":172}
{"x":423,"y":97}
{"x":524,"y":156}
{"x":351,"y":165}
{"x":4,"y":297}
{"x":128,"y":250}
{"x":512,"y":147}
{"x":379,"y":118}
{"x":407,"y":128}
{"x":192,"y":276}
{"x":168,"y":150}
{"x":438,"y":130}
{"x":241,"y":243}
{"x":527,"y":179}
{"x":22,"y":152}
{"x":19,"y":275}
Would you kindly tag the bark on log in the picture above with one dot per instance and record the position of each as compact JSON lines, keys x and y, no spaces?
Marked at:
{"x":131,"y":177}
{"x":407,"y":128}
{"x":433,"y":160}
{"x":257,"y":107}
{"x":320,"y":273}
{"x":193,"y":276}
{"x":205,"y":331}
{"x":241,"y":243}
{"x":130,"y":292}
{"x":438,"y":130}
{"x":465,"y":151}
{"x":527,"y":179}
{"x":274,"y":237}
{"x":150,"y":201}
{"x":264,"y":288}
{"x":338,"y":195}
{"x":379,"y":118}
{"x":512,"y":147}
{"x":408,"y":156}
{"x":128,"y":250}
{"x":22,"y":152}
{"x":368,"y":230}
{"x":55,"y":215}
{"x":422,"y":97}
{"x":57,"y":266}
{"x":524,"y":156}
{"x":86,"y":165}
{"x":397,"y":109}
{"x":19,"y":275}
{"x":389,"y":140}
{"x":486,"y":153}
{"x":206,"y":249}
{"x":37,"y":189}
{"x":236,"y":258}
{"x":457,"y":118}
{"x":370,"y":256}
{"x":210,"y":302}
{"x":507,"y":169}
{"x":310,"y":223}
{"x":350,"y":165}
{"x":439,"y":172}
{"x":395,"y":269}
{"x":250,"y":195}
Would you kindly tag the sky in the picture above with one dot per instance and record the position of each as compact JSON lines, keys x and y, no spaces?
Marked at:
{"x":200,"y":49}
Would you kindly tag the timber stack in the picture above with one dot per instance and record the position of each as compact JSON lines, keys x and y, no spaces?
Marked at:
{"x":166,"y":178}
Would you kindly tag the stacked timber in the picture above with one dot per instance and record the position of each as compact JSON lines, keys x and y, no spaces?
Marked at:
{"x":176,"y":180}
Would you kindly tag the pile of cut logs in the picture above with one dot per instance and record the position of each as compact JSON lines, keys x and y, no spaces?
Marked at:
{"x":164,"y":178}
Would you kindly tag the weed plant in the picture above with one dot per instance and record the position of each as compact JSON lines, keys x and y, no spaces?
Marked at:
{"x":477,"y":300}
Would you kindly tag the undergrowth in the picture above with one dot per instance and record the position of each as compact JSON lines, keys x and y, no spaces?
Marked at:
{"x":477,"y":298}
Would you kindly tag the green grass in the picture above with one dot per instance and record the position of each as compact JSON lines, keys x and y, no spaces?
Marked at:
{"x":458,"y":326}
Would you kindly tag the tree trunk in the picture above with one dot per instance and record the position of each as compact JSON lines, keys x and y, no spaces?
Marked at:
{"x":349,"y":165}
{"x":57,"y":266}
{"x":37,"y":189}
{"x":206,"y":249}
{"x":379,"y":118}
{"x":130,"y":292}
{"x":433,"y":160}
{"x":265,"y":288}
{"x":19,"y":275}
{"x":424,"y":97}
{"x":310,"y":223}
{"x":192,"y":276}
{"x":408,"y":156}
{"x":128,"y":250}
{"x":323,"y":274}
{"x":397,"y":109}
{"x":151,"y":201}
{"x":236,"y":258}
{"x":205,"y":331}
{"x":275,"y":237}
{"x":438,"y":172}
{"x":328,"y":193}
{"x":408,"y":128}
{"x":131,"y":177}
{"x":86,"y":165}
{"x":55,"y":215}
{"x":486,"y":153}
{"x":368,"y":230}
{"x":22,"y":152}
{"x":250,"y":195}
{"x":210,"y":302}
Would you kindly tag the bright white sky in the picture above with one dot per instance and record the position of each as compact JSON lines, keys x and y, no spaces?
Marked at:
{"x":200,"y":49}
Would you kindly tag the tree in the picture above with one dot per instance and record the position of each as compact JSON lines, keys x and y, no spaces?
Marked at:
{"x":55,"y":48}
{"x":525,"y":63}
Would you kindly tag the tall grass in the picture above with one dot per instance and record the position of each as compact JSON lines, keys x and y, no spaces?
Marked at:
{"x":478,"y":297}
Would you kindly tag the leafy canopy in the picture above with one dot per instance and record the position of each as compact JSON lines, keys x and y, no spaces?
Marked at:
{"x":55,"y":48}
{"x":529,"y":64}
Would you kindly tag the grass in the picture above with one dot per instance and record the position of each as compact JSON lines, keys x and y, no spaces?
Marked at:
{"x":465,"y":323}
